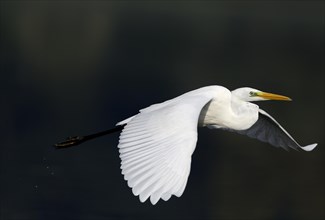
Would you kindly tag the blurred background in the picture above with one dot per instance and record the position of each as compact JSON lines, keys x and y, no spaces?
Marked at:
{"x":73,"y":68}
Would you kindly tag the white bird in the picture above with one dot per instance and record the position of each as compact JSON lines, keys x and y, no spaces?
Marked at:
{"x":156,"y":144}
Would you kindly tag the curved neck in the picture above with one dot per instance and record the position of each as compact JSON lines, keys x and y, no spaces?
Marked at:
{"x":234,"y":114}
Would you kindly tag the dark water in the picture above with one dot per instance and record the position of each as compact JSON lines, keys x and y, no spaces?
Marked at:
{"x":74,"y":68}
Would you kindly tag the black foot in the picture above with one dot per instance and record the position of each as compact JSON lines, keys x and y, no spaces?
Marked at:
{"x":69,"y":142}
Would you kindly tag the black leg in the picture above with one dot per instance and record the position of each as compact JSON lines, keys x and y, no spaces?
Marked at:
{"x":76,"y":140}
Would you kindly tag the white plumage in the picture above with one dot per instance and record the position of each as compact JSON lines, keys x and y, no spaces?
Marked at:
{"x":156,"y":145}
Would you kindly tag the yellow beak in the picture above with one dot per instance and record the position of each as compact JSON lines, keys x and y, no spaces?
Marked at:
{"x":271,"y":96}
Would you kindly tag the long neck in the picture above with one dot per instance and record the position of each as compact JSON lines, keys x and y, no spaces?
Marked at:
{"x":234,"y":114}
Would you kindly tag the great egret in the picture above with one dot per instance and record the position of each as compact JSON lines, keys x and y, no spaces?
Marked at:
{"x":156,"y":144}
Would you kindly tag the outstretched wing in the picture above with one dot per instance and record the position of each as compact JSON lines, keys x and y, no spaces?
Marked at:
{"x":267,"y":129}
{"x":156,"y":146}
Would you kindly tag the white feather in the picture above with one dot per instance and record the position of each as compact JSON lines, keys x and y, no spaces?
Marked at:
{"x":156,"y":145}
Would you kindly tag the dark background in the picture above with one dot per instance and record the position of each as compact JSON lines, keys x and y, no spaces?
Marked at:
{"x":74,"y":68}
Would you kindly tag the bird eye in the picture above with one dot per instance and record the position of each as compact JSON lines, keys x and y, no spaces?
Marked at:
{"x":252,"y":93}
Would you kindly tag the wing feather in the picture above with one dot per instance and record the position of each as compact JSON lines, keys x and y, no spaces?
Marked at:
{"x":156,"y":145}
{"x":267,"y":129}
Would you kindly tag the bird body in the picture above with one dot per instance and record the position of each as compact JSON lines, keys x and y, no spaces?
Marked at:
{"x":156,"y":145}
{"x":220,"y":108}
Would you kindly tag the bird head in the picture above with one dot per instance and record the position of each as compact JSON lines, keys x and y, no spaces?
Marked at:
{"x":252,"y":95}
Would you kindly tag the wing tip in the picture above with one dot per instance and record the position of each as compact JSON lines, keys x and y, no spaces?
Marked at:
{"x":309,"y":147}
